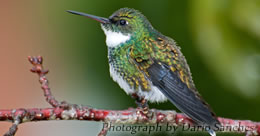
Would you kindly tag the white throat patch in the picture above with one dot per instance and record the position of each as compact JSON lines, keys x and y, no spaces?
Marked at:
{"x":115,"y":38}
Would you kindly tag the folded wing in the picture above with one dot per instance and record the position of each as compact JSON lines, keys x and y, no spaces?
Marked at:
{"x":180,"y":95}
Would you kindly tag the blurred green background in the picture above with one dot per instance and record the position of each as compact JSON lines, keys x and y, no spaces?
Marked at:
{"x":220,"y":39}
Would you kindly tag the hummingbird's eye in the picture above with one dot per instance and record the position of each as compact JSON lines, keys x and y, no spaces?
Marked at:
{"x":123,"y":22}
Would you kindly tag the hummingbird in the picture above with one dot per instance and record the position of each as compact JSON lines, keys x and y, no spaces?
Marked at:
{"x":150,"y":66}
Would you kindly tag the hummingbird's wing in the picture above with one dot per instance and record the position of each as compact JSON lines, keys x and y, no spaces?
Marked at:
{"x":180,"y":95}
{"x":167,"y":69}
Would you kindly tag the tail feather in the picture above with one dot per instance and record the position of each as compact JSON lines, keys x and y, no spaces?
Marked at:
{"x":212,"y":132}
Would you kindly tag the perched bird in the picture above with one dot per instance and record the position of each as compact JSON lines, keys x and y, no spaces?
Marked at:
{"x":150,"y":66}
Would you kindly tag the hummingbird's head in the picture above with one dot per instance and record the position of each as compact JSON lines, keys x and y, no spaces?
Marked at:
{"x":122,"y":25}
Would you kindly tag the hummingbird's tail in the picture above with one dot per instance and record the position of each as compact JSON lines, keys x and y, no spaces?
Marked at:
{"x":212,"y":132}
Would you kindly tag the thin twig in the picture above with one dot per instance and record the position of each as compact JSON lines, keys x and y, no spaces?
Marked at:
{"x":38,"y":68}
{"x":129,"y":116}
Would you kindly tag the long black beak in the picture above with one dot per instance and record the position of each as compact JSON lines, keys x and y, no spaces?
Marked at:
{"x":99,"y":19}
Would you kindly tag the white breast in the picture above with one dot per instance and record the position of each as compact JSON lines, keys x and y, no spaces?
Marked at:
{"x":154,"y":95}
{"x":122,"y":83}
{"x":115,"y":38}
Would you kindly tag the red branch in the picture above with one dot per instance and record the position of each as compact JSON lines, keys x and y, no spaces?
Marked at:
{"x":65,"y":111}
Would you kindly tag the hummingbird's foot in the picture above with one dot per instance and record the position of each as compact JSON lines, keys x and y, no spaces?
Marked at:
{"x":140,"y":101}
{"x":144,"y":112}
{"x":142,"y":106}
